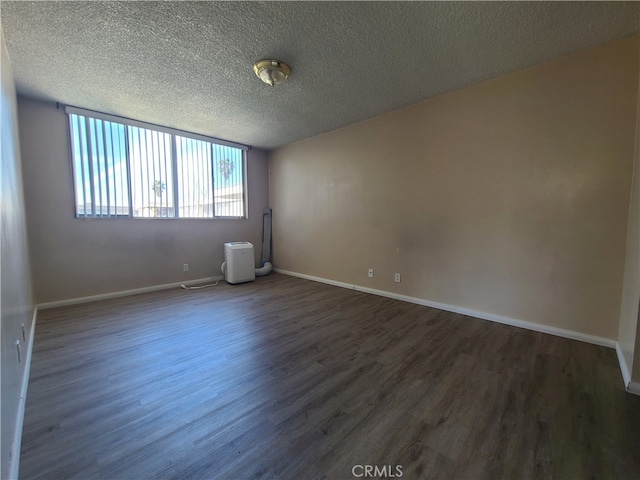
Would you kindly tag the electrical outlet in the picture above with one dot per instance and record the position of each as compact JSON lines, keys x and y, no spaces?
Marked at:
{"x":371,"y":273}
{"x":185,"y":267}
{"x":397,"y":278}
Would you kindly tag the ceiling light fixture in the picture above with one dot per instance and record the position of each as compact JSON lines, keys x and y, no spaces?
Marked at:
{"x":272,"y":72}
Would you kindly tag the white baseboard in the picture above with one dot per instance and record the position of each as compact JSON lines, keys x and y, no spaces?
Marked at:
{"x":634,"y":387}
{"x":124,"y":293}
{"x":14,"y":462}
{"x":537,"y":327}
{"x":624,"y":368}
{"x":630,"y":386}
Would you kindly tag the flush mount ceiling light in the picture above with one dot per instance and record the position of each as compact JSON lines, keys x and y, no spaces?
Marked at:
{"x":272,"y":72}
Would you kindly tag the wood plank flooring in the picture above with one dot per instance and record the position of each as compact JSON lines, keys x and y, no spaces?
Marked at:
{"x":290,"y":379}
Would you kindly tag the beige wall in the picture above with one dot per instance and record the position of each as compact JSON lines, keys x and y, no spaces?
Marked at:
{"x":80,"y":257}
{"x":509,"y":198}
{"x":16,"y":304}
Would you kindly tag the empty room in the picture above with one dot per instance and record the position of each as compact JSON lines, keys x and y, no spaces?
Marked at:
{"x":320,"y":240}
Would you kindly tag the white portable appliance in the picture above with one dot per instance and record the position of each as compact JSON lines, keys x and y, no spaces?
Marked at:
{"x":240,"y":263}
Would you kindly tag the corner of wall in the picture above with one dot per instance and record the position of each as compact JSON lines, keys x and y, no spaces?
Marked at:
{"x":624,"y":366}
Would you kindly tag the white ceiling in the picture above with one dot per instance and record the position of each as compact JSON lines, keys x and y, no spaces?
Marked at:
{"x":188,"y":65}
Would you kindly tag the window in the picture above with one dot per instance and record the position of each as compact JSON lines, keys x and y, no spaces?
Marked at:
{"x":125,"y":168}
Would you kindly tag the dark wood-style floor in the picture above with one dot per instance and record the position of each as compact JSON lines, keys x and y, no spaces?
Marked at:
{"x":285,"y":378}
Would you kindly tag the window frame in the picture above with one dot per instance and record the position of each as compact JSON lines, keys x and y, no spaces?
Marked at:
{"x":128,"y":122}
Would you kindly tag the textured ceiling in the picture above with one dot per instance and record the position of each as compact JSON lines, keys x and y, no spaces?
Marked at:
{"x":188,"y":65}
